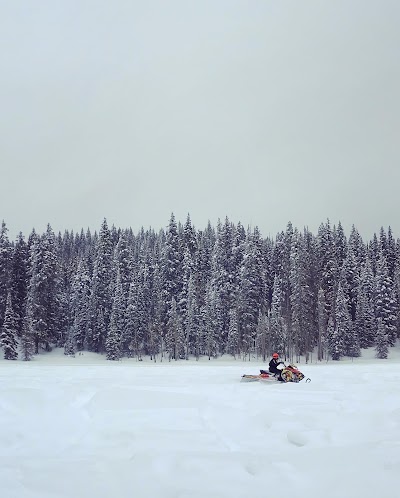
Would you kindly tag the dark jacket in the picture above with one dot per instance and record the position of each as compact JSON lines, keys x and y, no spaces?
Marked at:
{"x":273,"y":366}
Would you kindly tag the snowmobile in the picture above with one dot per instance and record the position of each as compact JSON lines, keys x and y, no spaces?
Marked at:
{"x":288,"y":373}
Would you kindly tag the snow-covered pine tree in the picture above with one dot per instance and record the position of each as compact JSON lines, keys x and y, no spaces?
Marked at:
{"x":251,"y":291}
{"x":269,"y":275}
{"x":70,"y":343}
{"x":142,"y":331}
{"x":349,"y":277}
{"x":43,"y":296}
{"x":5,"y":254}
{"x":358,"y":247}
{"x":187,"y":269}
{"x":263,"y":335}
{"x":202,"y":267}
{"x":381,"y":341}
{"x":191,"y":323}
{"x":174,"y":340}
{"x":351,"y":343}
{"x":277,"y":327}
{"x":210,"y":323}
{"x":348,"y":285}
{"x":80,"y":299}
{"x":233,"y":346}
{"x":365,"y":322}
{"x":101,"y":299}
{"x":391,"y":253}
{"x":328,"y":271}
{"x":189,"y":236}
{"x":156,"y":306}
{"x":143,"y":307}
{"x":397,"y":286}
{"x":26,"y":344}
{"x":67,"y":257}
{"x":322,"y":325}
{"x":8,"y":334}
{"x":309,"y":255}
{"x":238,"y":248}
{"x":340,"y":244}
{"x":170,"y":266}
{"x":123,"y":263}
{"x":301,"y":298}
{"x":342,"y":326}
{"x":19,"y":280}
{"x":130,"y":340}
{"x":223,"y":276}
{"x":51,"y":269}
{"x":386,"y":307}
{"x":373,"y":253}
{"x":116,"y":326}
{"x":281,"y":267}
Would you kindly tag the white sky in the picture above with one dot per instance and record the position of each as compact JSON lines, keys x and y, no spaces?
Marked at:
{"x":83,"y":427}
{"x":265,"y":111}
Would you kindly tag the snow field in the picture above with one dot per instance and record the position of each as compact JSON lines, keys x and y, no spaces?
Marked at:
{"x":75,"y":430}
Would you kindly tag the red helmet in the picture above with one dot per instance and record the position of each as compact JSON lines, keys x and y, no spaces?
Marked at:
{"x":275,"y":355}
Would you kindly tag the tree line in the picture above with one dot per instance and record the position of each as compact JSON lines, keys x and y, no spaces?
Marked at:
{"x":183,"y":293}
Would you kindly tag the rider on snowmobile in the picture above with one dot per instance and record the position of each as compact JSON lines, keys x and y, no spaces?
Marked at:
{"x":273,"y":365}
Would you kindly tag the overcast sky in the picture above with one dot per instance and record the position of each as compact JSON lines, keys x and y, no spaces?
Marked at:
{"x":265,"y":111}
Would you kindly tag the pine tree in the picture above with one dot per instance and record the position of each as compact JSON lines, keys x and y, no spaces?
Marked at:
{"x":373,"y":253}
{"x":156,"y":307}
{"x":27,"y":341}
{"x":233,"y":333}
{"x":223,"y":276}
{"x":302,"y":299}
{"x":142,"y":308}
{"x":211,"y":323}
{"x":174,"y":339}
{"x":19,"y":280}
{"x":342,"y":326}
{"x":190,"y":237}
{"x":171,"y":264}
{"x":365,"y":323}
{"x":322,"y":325}
{"x":340,"y":244}
{"x":381,"y":342}
{"x":80,"y":301}
{"x":116,"y":327}
{"x":123,"y":262}
{"x":281,"y":262}
{"x":349,"y":278}
{"x":187,"y":270}
{"x":276,"y":321}
{"x":9,"y":332}
{"x":386,"y":307}
{"x":251,"y":291}
{"x":328,"y":271}
{"x":51,"y":289}
{"x":391,"y":253}
{"x":40,"y":299}
{"x":397,"y":289}
{"x":263,"y":336}
{"x":352,"y":342}
{"x":101,"y":298}
{"x":191,"y":323}
{"x":5,"y":253}
{"x":358,"y":247}
{"x":70,"y":343}
{"x":130,"y":337}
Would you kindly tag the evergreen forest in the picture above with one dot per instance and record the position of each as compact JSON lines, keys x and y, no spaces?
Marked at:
{"x":183,"y":293}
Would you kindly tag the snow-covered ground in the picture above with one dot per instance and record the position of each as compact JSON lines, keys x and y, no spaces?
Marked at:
{"x":87,"y":428}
